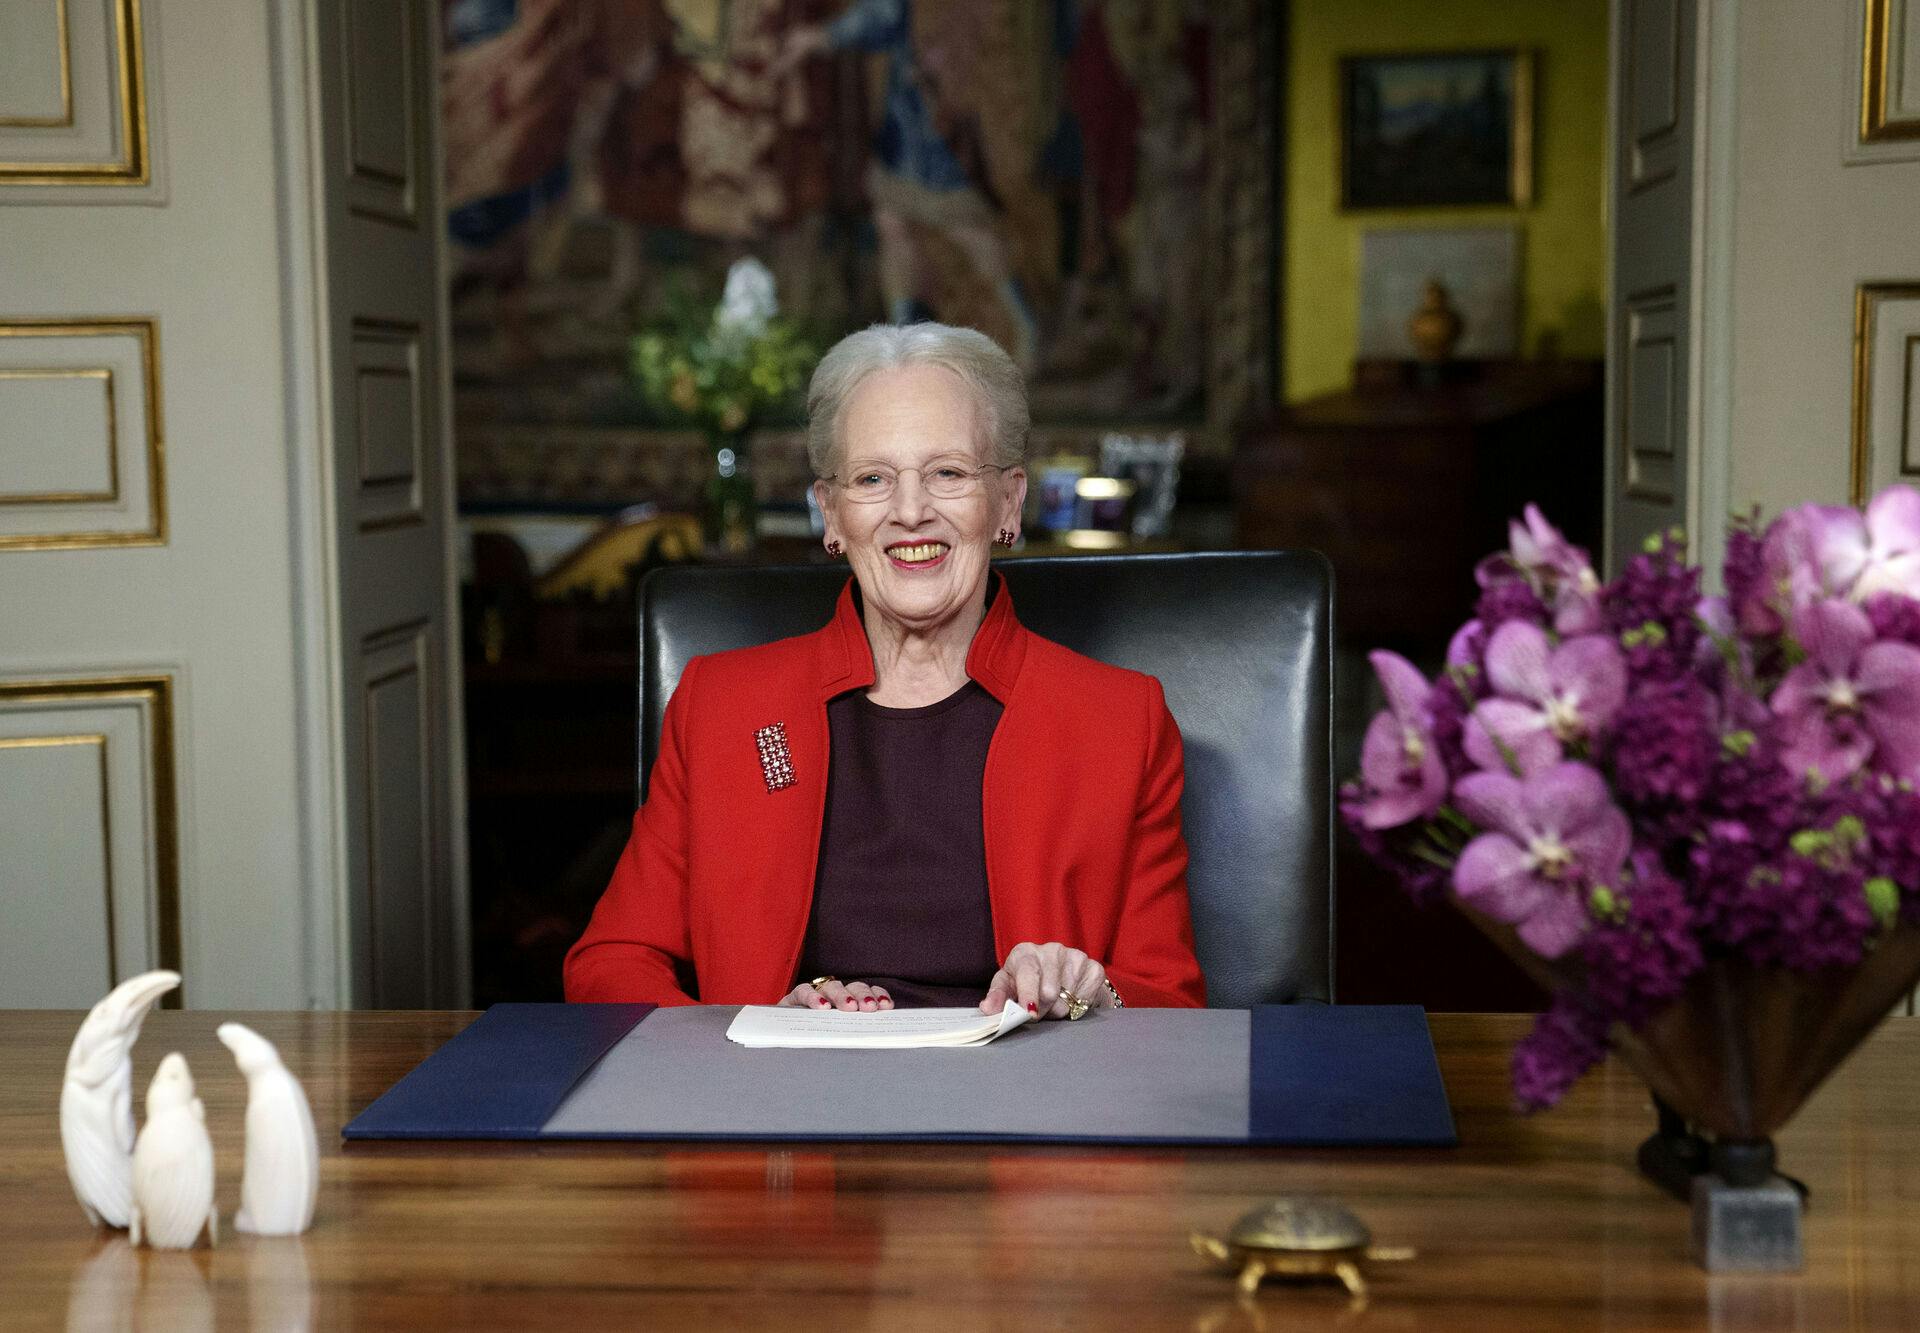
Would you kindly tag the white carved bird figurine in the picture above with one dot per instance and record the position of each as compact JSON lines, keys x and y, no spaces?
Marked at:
{"x":173,"y":1165}
{"x":96,"y":1100}
{"x":282,"y":1176}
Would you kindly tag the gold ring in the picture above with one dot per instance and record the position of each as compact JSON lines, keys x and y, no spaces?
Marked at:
{"x":1076,"y":1007}
{"x":818,"y":982}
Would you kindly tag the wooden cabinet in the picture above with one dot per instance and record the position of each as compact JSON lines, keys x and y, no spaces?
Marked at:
{"x":1404,"y":487}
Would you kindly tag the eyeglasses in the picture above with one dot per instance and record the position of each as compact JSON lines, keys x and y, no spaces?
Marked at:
{"x":874,"y":482}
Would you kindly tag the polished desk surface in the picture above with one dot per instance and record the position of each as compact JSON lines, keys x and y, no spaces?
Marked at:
{"x":1532,"y":1223}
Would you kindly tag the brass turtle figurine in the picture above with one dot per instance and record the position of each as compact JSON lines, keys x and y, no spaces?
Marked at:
{"x":1299,"y":1238}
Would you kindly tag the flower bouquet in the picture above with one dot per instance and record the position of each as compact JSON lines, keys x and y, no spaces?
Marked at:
{"x":723,"y":372}
{"x":1692,"y":818}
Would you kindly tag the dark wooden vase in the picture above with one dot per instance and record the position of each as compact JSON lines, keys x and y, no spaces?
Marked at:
{"x":1739,"y":1052}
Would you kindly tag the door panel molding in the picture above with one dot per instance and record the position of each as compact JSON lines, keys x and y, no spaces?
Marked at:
{"x":1889,"y":97}
{"x":1886,"y":387}
{"x":122,"y":354}
{"x":132,"y":717}
{"x":100,"y":135}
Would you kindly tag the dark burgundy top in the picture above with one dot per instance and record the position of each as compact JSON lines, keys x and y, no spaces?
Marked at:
{"x":900,"y":896}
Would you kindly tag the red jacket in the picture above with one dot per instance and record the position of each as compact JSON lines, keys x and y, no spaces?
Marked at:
{"x":1081,"y":804}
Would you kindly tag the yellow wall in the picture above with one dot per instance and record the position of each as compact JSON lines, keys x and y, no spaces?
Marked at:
{"x":1563,"y":243}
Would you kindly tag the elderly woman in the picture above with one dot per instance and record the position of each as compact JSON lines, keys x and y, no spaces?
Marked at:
{"x":923,"y":802}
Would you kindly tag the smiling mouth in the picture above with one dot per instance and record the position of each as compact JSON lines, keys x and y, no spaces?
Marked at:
{"x":917,"y":554}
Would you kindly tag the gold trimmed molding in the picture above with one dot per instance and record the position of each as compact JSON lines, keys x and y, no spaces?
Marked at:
{"x":156,"y":693}
{"x":147,"y":333}
{"x":132,"y":165}
{"x":105,"y":375}
{"x":1867,"y":298}
{"x":65,"y":118}
{"x":1876,"y":77}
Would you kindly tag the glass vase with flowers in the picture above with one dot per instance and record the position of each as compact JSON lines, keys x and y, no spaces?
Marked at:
{"x":1692,"y":818}
{"x":724,"y":370}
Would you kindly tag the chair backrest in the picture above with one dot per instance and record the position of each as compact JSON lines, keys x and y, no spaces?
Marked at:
{"x":1242,"y":644}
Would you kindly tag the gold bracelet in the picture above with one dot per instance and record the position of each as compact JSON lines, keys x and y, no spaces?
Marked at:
{"x":1113,"y":994}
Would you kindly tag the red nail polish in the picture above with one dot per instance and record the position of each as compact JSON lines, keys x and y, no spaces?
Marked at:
{"x":1032,"y":1010}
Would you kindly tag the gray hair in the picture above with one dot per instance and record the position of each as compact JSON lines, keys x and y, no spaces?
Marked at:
{"x":999,"y":390}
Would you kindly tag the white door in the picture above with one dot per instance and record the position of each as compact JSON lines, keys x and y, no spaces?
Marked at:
{"x":1825,"y":383}
{"x":1766,"y":249}
{"x":1650,"y":316}
{"x":376,"y":181}
{"x":226,"y":716}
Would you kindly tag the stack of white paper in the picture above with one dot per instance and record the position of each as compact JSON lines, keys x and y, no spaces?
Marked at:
{"x":766,"y":1025}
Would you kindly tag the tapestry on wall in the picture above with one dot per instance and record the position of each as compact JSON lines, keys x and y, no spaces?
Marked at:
{"x":1071,"y":176}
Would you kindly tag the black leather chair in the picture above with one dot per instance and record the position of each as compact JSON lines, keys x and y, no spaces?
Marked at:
{"x":1242,"y":644}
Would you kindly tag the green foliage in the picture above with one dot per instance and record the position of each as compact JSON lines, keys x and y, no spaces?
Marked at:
{"x":1883,"y":899}
{"x":1606,"y":905}
{"x":692,"y":370}
{"x":1831,"y":847}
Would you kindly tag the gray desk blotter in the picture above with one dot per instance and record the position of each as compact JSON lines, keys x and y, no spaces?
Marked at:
{"x":1129,"y":1074}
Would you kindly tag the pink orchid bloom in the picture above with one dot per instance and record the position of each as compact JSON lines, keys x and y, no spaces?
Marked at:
{"x":1789,"y":572}
{"x":1544,"y":697}
{"x":1402,"y":777}
{"x":1561,"y":570}
{"x":1858,"y":554}
{"x":1551,"y":839}
{"x":1463,"y":648}
{"x":1576,"y":604}
{"x":1716,"y":618}
{"x":1851,"y":700}
{"x":1535,"y":543}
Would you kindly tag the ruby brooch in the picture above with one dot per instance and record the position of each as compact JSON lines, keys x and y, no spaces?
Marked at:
{"x":776,"y":760}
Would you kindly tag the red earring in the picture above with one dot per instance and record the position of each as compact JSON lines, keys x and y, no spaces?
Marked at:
{"x":834,"y":548}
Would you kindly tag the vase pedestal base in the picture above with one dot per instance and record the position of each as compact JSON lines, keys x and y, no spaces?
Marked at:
{"x":1672,"y":1156}
{"x":1746,"y":1228}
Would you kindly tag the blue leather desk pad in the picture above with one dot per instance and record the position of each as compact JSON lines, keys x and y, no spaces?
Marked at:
{"x":1287,"y":1075}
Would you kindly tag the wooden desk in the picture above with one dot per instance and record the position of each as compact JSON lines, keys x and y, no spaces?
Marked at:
{"x":1530,"y":1224}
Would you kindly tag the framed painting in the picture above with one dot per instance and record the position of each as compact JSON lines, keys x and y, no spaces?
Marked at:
{"x":1090,"y":182}
{"x":1436,"y":129}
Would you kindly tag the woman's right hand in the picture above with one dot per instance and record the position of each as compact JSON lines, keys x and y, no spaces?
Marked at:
{"x":852,"y":996}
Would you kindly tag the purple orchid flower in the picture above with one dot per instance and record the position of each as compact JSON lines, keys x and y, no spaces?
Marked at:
{"x":1576,"y":604}
{"x":1721,"y":636}
{"x":1463,"y":649}
{"x":1718,"y":626}
{"x":1852,"y":699}
{"x":1401,"y":774}
{"x":1858,"y":555}
{"x":1716,"y":617}
{"x":1535,"y":543}
{"x":1813,"y":551}
{"x":1789,"y":576}
{"x":1550,"y":840}
{"x":1544,"y":697}
{"x":1539,"y":549}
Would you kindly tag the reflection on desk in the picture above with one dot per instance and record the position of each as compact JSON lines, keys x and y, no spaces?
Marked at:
{"x":1529,"y":1224}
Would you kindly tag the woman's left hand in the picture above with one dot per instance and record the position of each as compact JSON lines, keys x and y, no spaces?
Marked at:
{"x":1034,"y":975}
